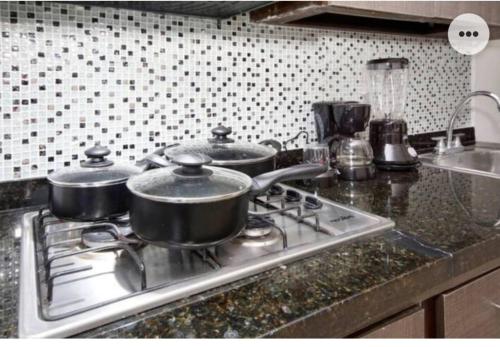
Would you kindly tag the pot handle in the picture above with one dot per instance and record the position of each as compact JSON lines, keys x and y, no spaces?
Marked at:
{"x":272,"y":143}
{"x":153,"y":161}
{"x":156,"y":159}
{"x":265,"y":181}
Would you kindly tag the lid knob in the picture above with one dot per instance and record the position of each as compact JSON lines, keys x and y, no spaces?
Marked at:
{"x":96,"y":156}
{"x":191,"y":164}
{"x":220,"y":134}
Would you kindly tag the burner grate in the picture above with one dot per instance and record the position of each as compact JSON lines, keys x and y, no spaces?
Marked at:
{"x":118,"y":242}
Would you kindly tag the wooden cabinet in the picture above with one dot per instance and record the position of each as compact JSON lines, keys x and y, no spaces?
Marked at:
{"x":488,"y":10}
{"x":405,"y":325}
{"x":445,"y":11}
{"x":469,"y":311}
{"x":389,"y":9}
{"x":428,"y":18}
{"x":472,"y":310}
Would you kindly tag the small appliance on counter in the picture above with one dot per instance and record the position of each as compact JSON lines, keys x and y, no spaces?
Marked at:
{"x":337,"y":123}
{"x":388,"y":81}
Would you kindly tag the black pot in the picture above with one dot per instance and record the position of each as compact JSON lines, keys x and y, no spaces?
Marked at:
{"x":96,"y":190}
{"x":249,"y":158}
{"x":89,"y":203}
{"x":196,"y":206}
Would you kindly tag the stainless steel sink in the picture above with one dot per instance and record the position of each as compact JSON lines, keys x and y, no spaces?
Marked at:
{"x":481,"y":159}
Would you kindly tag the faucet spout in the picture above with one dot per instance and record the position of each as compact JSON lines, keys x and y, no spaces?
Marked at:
{"x":451,"y":123}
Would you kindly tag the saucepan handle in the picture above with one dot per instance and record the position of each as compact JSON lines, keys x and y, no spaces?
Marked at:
{"x":153,"y":161}
{"x":272,"y":143}
{"x":265,"y":181}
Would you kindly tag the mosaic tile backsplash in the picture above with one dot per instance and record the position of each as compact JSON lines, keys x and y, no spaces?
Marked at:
{"x":73,"y":75}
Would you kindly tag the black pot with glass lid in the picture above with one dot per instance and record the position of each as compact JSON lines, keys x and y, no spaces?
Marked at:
{"x":191,"y":205}
{"x":95,"y":190}
{"x":249,"y":158}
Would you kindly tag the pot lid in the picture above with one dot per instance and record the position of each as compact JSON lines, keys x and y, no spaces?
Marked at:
{"x":190,"y":181}
{"x":94,"y":172}
{"x":224,"y":150}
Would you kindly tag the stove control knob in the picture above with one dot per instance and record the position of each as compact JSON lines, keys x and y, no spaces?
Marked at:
{"x":293,"y":196}
{"x":312,"y":203}
{"x":276,"y":190}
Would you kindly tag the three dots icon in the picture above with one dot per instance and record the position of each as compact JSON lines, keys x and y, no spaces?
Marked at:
{"x":468,"y":34}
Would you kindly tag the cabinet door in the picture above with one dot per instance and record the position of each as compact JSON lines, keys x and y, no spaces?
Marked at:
{"x":421,"y":9}
{"x":410,"y":325}
{"x":488,"y":10}
{"x":472,"y":310}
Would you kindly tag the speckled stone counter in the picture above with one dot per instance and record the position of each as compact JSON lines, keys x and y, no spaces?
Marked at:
{"x":444,"y":231}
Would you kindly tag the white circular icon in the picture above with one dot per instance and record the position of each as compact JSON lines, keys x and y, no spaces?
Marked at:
{"x":468,"y":34}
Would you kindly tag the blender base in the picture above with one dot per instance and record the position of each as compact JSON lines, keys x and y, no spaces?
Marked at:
{"x":387,"y":166}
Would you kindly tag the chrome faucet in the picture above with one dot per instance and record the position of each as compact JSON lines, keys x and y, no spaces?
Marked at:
{"x":456,"y":146}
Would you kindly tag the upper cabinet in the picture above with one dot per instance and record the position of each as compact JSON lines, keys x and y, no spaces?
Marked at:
{"x":211,"y":9}
{"x":429,"y":18}
{"x":489,"y":10}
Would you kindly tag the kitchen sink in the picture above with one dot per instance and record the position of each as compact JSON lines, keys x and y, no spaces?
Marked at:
{"x":481,"y":159}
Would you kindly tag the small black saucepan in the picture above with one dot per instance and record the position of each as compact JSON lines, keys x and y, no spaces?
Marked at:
{"x":97,"y":189}
{"x":190,"y":205}
{"x":250,"y":158}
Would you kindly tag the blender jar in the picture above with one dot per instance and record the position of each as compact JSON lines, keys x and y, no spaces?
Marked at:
{"x":387,"y":86}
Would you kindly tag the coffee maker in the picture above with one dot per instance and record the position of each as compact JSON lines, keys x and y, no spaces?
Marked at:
{"x":338,"y":124}
{"x":388,"y":81}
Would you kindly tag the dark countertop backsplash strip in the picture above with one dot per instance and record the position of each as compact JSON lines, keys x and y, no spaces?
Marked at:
{"x":423,"y":143}
{"x":23,"y":193}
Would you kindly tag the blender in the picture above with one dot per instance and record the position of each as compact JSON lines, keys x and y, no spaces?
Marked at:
{"x":387,"y":86}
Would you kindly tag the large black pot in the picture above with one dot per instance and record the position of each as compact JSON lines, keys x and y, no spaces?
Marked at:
{"x":249,"y":158}
{"x":195,"y":206}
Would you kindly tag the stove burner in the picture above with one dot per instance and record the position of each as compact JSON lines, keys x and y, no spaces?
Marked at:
{"x":271,"y":238}
{"x":97,"y":236}
{"x":258,"y":226}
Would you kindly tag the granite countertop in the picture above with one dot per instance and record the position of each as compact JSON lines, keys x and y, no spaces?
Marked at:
{"x":444,"y":233}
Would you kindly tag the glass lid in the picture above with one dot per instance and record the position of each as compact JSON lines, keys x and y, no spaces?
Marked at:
{"x":223,"y":150}
{"x":95,"y":171}
{"x":190,"y":181}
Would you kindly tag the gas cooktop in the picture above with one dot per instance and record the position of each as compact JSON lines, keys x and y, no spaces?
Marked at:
{"x":90,"y":274}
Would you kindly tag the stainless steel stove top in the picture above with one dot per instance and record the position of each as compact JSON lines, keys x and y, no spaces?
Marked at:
{"x":83,"y":279}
